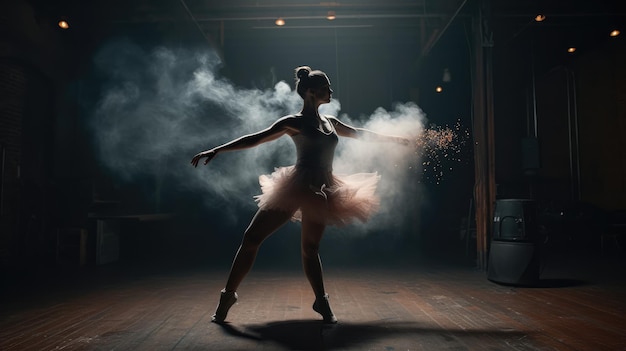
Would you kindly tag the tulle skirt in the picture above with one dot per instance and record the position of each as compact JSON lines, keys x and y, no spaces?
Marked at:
{"x":323,"y":197}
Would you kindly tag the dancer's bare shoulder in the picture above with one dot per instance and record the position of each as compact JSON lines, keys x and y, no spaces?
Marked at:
{"x":292,"y":124}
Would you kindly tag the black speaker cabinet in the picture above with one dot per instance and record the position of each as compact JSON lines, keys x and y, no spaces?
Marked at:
{"x":515,"y":220}
{"x":514,"y":263}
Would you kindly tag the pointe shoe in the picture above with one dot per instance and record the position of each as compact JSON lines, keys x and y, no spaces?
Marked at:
{"x":322,"y":307}
{"x":227,"y":300}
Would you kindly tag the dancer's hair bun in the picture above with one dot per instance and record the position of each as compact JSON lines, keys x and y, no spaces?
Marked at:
{"x":303,"y":72}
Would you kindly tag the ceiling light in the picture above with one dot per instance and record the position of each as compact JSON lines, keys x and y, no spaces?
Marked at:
{"x":439,"y":89}
{"x":571,"y":49}
{"x":63,"y":24}
{"x":614,"y":33}
{"x":331,"y":15}
{"x":540,"y":17}
{"x":280,"y":21}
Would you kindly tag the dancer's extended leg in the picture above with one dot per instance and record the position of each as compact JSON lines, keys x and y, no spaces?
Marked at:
{"x":262,"y":226}
{"x":312,"y":233}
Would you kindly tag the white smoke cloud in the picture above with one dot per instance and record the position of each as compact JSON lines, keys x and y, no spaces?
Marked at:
{"x":161,"y":107}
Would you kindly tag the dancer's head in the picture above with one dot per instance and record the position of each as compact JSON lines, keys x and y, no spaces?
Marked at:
{"x":310,"y":79}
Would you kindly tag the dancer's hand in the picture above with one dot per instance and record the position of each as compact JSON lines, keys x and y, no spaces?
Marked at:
{"x":209,"y":154}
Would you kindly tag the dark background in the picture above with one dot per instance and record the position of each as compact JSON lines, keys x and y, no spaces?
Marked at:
{"x":383,"y":53}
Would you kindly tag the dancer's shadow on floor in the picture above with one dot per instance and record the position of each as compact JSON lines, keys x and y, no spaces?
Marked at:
{"x":315,"y":335}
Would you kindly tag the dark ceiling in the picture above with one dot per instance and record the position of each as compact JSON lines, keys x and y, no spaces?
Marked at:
{"x":427,"y":19}
{"x":232,"y":27}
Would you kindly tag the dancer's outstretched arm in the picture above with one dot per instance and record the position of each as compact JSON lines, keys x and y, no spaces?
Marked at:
{"x":349,"y":131}
{"x":279,"y":128}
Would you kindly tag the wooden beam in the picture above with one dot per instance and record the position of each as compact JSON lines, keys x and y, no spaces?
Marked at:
{"x":483,"y":130}
{"x":209,"y":38}
{"x":438,"y":33}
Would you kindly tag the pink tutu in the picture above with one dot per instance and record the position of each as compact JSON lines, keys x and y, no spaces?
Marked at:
{"x":323,"y":197}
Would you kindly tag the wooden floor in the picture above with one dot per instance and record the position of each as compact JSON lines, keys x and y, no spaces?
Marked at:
{"x":413,"y":307}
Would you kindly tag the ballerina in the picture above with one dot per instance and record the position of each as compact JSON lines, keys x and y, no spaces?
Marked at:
{"x":307,"y":192}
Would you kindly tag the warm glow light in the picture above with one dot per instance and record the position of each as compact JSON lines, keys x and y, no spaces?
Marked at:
{"x":280,"y":21}
{"x":331,"y":15}
{"x":439,"y":89}
{"x":614,"y":33}
{"x":540,"y":18}
{"x":63,"y":24}
{"x":572,"y":49}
